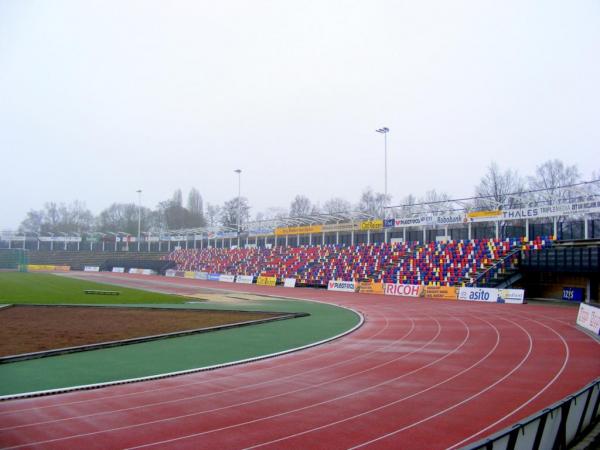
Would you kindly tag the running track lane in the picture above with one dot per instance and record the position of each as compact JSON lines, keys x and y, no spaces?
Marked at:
{"x":418,"y":374}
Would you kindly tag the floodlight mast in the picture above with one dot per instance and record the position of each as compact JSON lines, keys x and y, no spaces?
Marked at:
{"x":139,"y":192}
{"x":384,"y":131}
{"x":239,"y":208}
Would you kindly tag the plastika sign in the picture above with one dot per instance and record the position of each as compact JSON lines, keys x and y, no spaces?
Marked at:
{"x":342,"y":286}
{"x":403,"y":290}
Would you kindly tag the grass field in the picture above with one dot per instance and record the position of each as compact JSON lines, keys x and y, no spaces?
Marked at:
{"x":17,"y":287}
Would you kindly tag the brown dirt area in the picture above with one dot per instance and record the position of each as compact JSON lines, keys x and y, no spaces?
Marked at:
{"x":26,"y":329}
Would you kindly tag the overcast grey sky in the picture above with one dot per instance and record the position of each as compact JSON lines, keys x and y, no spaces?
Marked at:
{"x":101,"y":98}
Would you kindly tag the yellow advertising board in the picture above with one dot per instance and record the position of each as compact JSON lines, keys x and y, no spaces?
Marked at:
{"x":482,"y":216}
{"x":189,"y":274}
{"x":47,"y":267}
{"x":374,"y":224}
{"x":305,"y":229}
{"x":266,"y":281}
{"x":368,"y":287}
{"x":440,"y":292}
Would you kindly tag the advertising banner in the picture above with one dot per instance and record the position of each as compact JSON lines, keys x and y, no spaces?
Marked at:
{"x":118,"y":269}
{"x":306,"y":229}
{"x":389,"y":223}
{"x":289,"y":282}
{"x":478,"y":294}
{"x":367,"y":287}
{"x":562,"y":209}
{"x":342,"y":286}
{"x":484,"y":216}
{"x":574,"y":294}
{"x":47,"y":267}
{"x":189,"y":274}
{"x":429,"y":219}
{"x":148,"y":272}
{"x":375,"y":224}
{"x":201,"y":275}
{"x":515,"y":296}
{"x":136,"y":271}
{"x":266,"y":281}
{"x":403,"y":290}
{"x":440,"y":292}
{"x":345,"y":226}
{"x":168,"y":273}
{"x":179,"y":273}
{"x":214,"y":276}
{"x":91,"y":269}
{"x":227,"y":278}
{"x":589,"y":318}
{"x":244,"y":279}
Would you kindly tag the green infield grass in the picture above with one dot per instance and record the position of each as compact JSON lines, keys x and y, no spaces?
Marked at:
{"x":38,"y":288}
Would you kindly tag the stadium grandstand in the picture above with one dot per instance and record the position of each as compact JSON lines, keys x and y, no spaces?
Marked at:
{"x":528,"y":239}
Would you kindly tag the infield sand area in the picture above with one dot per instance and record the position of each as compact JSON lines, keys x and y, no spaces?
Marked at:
{"x":26,"y":329}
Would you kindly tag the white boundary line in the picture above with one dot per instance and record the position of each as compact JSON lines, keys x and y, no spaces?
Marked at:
{"x":194,"y":370}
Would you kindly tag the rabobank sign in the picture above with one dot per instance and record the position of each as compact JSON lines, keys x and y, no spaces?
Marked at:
{"x":342,"y":286}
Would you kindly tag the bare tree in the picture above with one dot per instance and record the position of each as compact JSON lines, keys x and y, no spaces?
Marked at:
{"x":300,"y":206}
{"x":213,"y":212}
{"x":195,"y":208}
{"x":336,"y":205}
{"x":435,"y":201}
{"x":373,"y":203}
{"x":229,"y":212}
{"x":552,"y":176}
{"x":59,"y":218}
{"x":121,"y":217}
{"x":495,"y":187}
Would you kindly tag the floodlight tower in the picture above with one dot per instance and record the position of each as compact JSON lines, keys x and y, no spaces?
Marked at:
{"x":239,"y":207}
{"x":139,"y":192}
{"x":385,"y":131}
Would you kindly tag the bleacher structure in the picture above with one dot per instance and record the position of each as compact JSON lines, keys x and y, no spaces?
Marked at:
{"x":452,"y":263}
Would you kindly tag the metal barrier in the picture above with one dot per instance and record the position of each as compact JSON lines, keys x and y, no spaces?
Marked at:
{"x":552,"y":428}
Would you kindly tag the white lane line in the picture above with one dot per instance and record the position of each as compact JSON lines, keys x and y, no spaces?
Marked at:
{"x":314,"y":404}
{"x":210,"y":394}
{"x":379,"y":408}
{"x":514,"y":411}
{"x":255,"y":401}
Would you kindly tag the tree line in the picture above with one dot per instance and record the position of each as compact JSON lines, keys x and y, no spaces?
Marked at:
{"x":496,"y":187}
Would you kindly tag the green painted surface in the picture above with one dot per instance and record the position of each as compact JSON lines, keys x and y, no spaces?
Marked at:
{"x":175,"y":354}
{"x":45,"y":288}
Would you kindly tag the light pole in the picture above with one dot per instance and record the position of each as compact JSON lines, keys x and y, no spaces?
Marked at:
{"x":384,"y":131}
{"x":239,"y":206}
{"x":139,"y":192}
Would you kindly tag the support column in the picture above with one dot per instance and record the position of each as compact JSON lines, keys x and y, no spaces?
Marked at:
{"x":404,"y":234}
{"x":385,"y":235}
{"x":286,"y":240}
{"x":497,"y":229}
{"x":323,"y":240}
{"x":368,"y":237}
{"x":337,"y":238}
{"x":555,"y":227}
{"x":309,"y":238}
{"x":297,"y":240}
{"x":527,"y":229}
{"x":469,"y":230}
{"x":424,"y":235}
{"x":352,"y":237}
{"x":586,"y":231}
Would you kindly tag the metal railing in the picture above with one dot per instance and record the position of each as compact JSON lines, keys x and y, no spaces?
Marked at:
{"x":555,"y":427}
{"x":487,"y":273}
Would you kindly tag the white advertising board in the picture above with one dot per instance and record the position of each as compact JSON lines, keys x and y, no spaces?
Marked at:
{"x":589,"y":317}
{"x":168,"y":273}
{"x":91,"y":269}
{"x":402,"y":290}
{"x":244,"y":279}
{"x":227,"y":278}
{"x":118,"y":269}
{"x":201,"y":275}
{"x":289,"y":282}
{"x":342,"y":286}
{"x":478,"y":294}
{"x":516,"y":296}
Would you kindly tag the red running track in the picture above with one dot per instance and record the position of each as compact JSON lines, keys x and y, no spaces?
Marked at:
{"x":418,"y":374}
